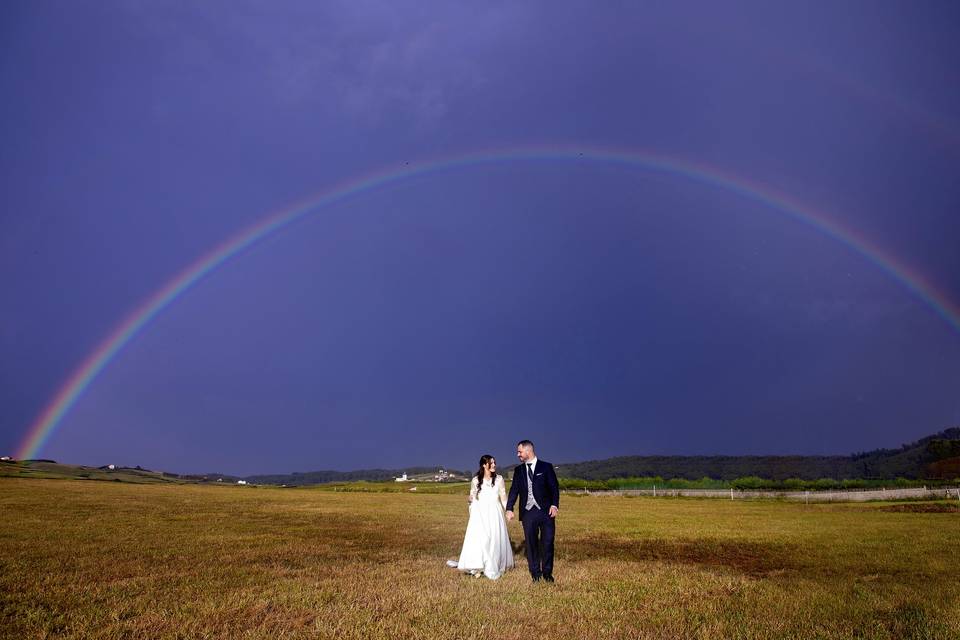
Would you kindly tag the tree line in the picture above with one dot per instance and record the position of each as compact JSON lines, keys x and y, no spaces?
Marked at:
{"x":932,"y":457}
{"x":748,"y":483}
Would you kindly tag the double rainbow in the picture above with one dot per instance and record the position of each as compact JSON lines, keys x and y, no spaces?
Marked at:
{"x":70,"y":392}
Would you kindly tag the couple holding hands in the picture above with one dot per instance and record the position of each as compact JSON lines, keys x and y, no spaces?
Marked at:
{"x":486,"y":545}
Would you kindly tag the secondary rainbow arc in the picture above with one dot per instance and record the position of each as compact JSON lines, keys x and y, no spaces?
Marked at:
{"x":81,"y":378}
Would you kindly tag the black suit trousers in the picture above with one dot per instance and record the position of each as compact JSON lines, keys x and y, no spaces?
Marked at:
{"x":538,"y":530}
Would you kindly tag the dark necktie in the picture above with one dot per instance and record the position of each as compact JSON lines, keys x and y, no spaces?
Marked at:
{"x":530,"y":500}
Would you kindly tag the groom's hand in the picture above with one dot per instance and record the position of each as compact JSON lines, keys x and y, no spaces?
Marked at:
{"x":553,"y":512}
{"x":509,"y":516}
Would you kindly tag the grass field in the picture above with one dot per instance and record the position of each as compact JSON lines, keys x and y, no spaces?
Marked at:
{"x":85,"y":559}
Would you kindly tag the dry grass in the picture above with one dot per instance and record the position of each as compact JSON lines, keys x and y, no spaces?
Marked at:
{"x":112,"y":560}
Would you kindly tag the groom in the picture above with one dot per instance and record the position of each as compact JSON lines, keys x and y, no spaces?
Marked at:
{"x":535,"y":483}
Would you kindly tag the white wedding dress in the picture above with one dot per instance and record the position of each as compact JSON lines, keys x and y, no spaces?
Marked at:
{"x":486,"y":545}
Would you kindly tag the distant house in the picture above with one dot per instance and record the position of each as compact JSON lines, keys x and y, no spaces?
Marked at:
{"x":402,"y":478}
{"x":111,"y":467}
{"x":241,"y":482}
{"x":6,"y":459}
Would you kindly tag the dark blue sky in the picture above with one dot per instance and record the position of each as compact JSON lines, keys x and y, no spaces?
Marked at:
{"x":597,"y":310}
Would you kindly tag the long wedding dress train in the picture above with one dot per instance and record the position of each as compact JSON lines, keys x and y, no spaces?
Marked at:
{"x":486,"y":544}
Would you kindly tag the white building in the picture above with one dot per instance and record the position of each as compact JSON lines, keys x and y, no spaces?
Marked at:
{"x":241,"y":482}
{"x":402,"y":478}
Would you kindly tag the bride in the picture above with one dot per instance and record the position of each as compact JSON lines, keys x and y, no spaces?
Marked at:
{"x":486,"y":545}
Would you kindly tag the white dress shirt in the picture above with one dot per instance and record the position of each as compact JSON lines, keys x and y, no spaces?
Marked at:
{"x":533,"y":465}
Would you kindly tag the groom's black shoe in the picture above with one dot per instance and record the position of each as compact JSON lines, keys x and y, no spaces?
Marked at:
{"x":537,"y":578}
{"x":548,"y":578}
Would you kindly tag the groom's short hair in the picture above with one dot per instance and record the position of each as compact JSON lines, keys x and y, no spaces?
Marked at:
{"x":525,"y":443}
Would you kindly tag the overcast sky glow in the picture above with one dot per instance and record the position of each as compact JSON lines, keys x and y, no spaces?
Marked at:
{"x":595,"y":308}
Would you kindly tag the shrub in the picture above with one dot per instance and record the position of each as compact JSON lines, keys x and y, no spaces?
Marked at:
{"x":749,"y":482}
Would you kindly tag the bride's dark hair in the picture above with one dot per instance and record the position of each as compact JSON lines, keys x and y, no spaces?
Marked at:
{"x":484,"y":459}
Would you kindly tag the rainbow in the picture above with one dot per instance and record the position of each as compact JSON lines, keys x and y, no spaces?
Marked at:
{"x":71,"y":390}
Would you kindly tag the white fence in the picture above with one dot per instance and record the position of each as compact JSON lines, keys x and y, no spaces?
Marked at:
{"x":850,"y":495}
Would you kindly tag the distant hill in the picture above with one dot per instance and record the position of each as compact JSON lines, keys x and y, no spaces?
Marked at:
{"x":935,"y":456}
{"x":370,"y":475}
{"x":56,"y":471}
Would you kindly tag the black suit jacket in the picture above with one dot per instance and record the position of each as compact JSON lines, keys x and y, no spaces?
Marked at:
{"x":546,"y":489}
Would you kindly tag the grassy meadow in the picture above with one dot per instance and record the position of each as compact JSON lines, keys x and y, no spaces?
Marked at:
{"x":86,"y":559}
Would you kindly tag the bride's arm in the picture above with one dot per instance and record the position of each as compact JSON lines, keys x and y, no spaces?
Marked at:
{"x":473,"y":490}
{"x":502,"y":491}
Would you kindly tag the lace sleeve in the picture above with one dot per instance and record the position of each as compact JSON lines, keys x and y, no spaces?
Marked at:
{"x":473,"y":489}
{"x":502,"y":491}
